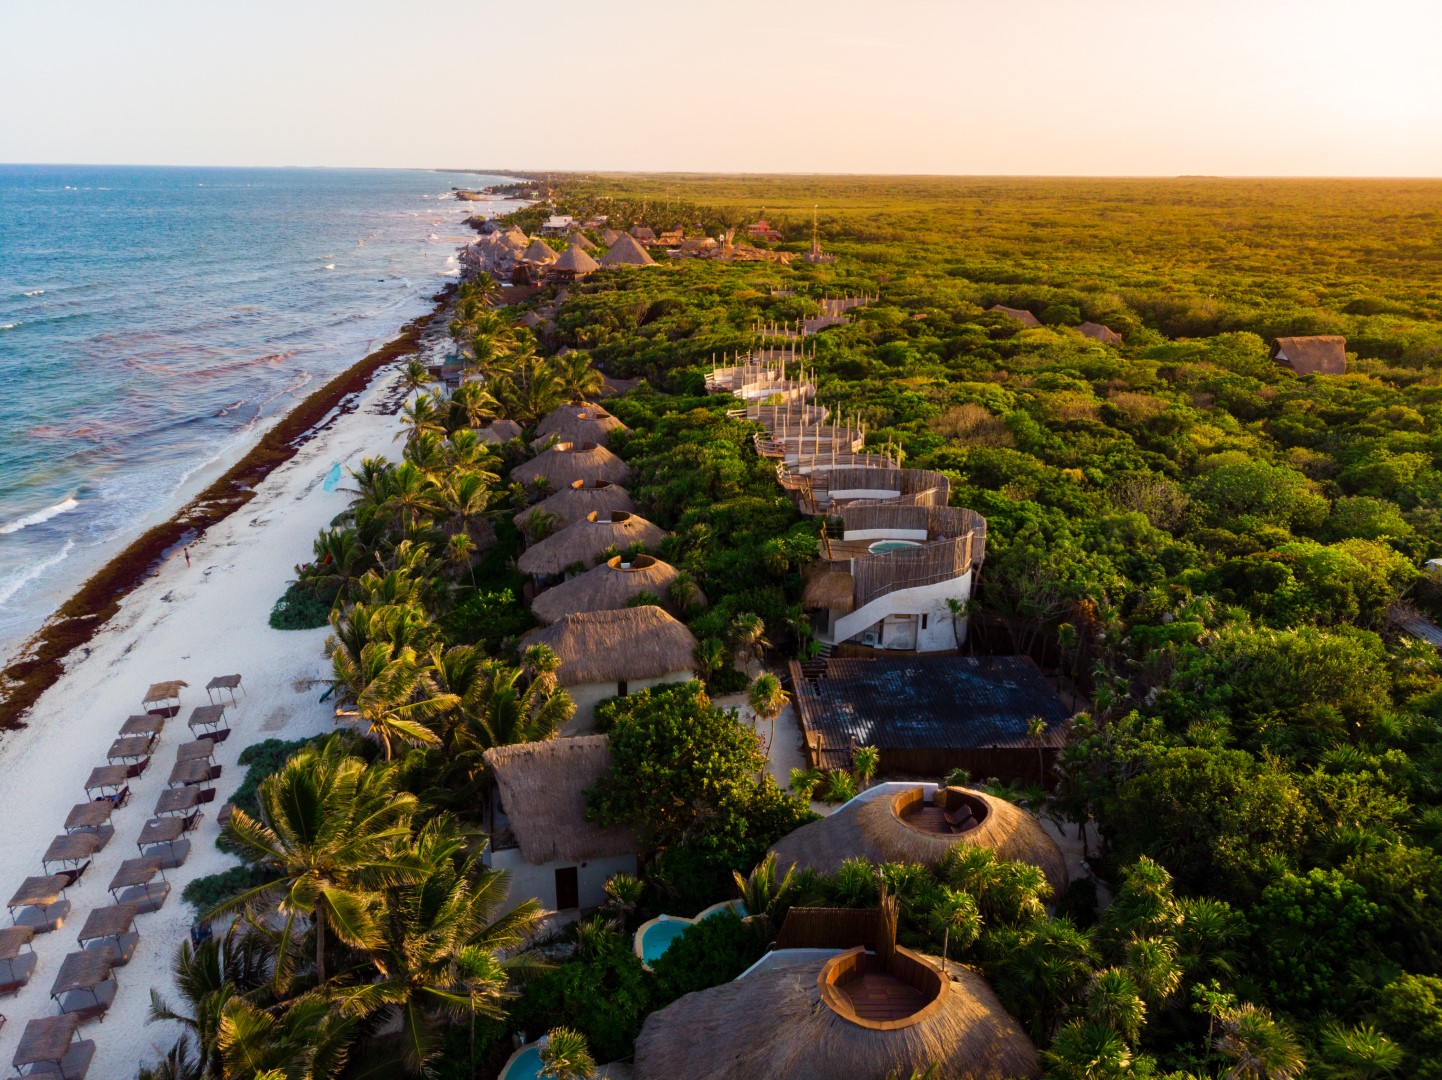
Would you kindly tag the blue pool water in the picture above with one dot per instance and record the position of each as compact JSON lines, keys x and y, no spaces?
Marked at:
{"x":524,"y":1066}
{"x":658,"y":938}
{"x":881,"y":547}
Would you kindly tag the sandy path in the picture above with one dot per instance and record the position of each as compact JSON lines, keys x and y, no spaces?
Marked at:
{"x":188,"y":623}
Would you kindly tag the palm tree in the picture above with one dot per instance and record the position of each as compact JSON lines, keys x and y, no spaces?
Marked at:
{"x":471,"y":405}
{"x":1152,"y":962}
{"x":1114,"y":1001}
{"x":578,"y":380}
{"x":1035,"y":734}
{"x":412,"y":494}
{"x":339,"y":561}
{"x":623,"y":896}
{"x":530,"y":390}
{"x":954,"y":913}
{"x":1047,"y":966}
{"x":1084,"y":1050}
{"x":1360,"y":1053}
{"x":393,"y":693}
{"x":565,"y":1055}
{"x":683,"y":590}
{"x":414,"y":376}
{"x":419,"y":416}
{"x":1259,"y":1046}
{"x":306,"y":1040}
{"x":763,"y":894}
{"x":767,"y":699}
{"x":445,"y":952}
{"x":331,"y":829}
{"x":465,"y":497}
{"x":460,"y":552}
{"x":748,"y":631}
{"x":865,"y":760}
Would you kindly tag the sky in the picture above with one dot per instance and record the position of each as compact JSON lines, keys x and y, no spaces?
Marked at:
{"x":1038,"y":87}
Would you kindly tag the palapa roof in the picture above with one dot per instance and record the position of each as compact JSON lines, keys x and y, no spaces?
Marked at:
{"x":1320,"y":354}
{"x":514,"y":236}
{"x":565,"y":463}
{"x":643,"y":232}
{"x":161,"y":830}
{"x":774,"y":1023}
{"x":13,"y":939}
{"x":199,"y":750}
{"x":609,"y":236}
{"x":609,"y":585}
{"x":143,"y":725}
{"x":1021,"y":315}
{"x":626,"y":252}
{"x":543,"y":789}
{"x":39,"y":891}
{"x":581,"y":423}
{"x":1105,"y":334}
{"x":538,"y":252}
{"x":499,"y":431}
{"x":579,"y":239}
{"x":575,"y":259}
{"x":623,"y":643}
{"x":206,"y":716}
{"x":83,"y":970}
{"x":109,"y":921}
{"x":176,"y":799}
{"x":586,"y":540}
{"x":71,"y":847}
{"x":89,"y":815}
{"x":224,"y":682}
{"x":47,"y":1039}
{"x":870,"y":829}
{"x":195,"y":771}
{"x":827,"y":588}
{"x":107,"y":776}
{"x":131,"y":746}
{"x":571,"y":504}
{"x":135,"y":872}
{"x":163,"y":691}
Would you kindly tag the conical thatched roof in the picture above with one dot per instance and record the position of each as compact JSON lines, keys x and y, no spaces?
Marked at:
{"x":583,"y":497}
{"x":608,"y":586}
{"x":578,"y":239}
{"x":587,"y":540}
{"x":543,"y":790}
{"x":565,"y":463}
{"x":1320,"y":354}
{"x":624,"y":643}
{"x":776,"y":1022}
{"x":515,"y":238}
{"x":1021,"y":315}
{"x":577,"y":424}
{"x":1097,"y":332}
{"x":575,"y":260}
{"x":538,"y":252}
{"x":626,"y":252}
{"x":499,"y":431}
{"x":873,"y":831}
{"x":609,"y":236}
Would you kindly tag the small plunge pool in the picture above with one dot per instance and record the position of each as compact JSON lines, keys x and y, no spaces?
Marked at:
{"x":881,"y":547}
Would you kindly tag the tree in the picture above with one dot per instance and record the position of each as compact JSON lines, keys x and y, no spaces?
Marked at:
{"x":419,"y":416}
{"x":331,"y":830}
{"x":1085,"y":1050}
{"x":565,"y":1055}
{"x":1259,"y":1046}
{"x":764,"y":895}
{"x":1036,"y":735}
{"x":865,"y":760}
{"x":1113,"y":1000}
{"x":767,"y":700}
{"x":394,"y":694}
{"x":306,"y":1040}
{"x":954,"y":913}
{"x":414,"y":376}
{"x":577,"y":379}
{"x":1360,"y":1053}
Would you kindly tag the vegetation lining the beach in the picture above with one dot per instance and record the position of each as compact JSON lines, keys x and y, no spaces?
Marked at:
{"x":41,"y":661}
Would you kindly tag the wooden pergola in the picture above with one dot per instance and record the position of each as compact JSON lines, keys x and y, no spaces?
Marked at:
{"x":86,"y":985}
{"x":49,"y":1042}
{"x":163,"y":698}
{"x":223,"y":684}
{"x":210,"y":720}
{"x":111,"y":928}
{"x":40,"y":903}
{"x":17,"y":957}
{"x":134,"y":883}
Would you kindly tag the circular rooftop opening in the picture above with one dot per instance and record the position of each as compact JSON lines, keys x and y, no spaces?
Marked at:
{"x":883,"y":994}
{"x":949,"y":812}
{"x":632,"y":564}
{"x":608,"y":517}
{"x":589,"y":485}
{"x":881,"y":547}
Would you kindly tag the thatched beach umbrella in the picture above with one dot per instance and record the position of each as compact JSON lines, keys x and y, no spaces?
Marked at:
{"x":613,"y":584}
{"x":575,"y":263}
{"x":565,"y":463}
{"x":577,"y":424}
{"x":781,"y":1021}
{"x":588,"y":539}
{"x":878,"y":830}
{"x":572,"y":504}
{"x":626,"y":252}
{"x":624,"y":644}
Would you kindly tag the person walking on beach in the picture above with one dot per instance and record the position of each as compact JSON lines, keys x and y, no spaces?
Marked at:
{"x":187,"y":556}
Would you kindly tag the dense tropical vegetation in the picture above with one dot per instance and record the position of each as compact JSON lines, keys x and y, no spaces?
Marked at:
{"x":1210,"y":548}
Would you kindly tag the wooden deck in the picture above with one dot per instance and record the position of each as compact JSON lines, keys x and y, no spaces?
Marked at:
{"x":879,"y":996}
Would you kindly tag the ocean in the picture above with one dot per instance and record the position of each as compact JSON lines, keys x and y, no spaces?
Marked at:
{"x":151,"y":317}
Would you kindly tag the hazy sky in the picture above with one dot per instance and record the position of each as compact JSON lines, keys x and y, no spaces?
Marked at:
{"x":1270,"y":87}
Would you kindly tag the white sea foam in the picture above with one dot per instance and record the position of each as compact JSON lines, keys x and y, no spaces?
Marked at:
{"x":34,"y":292}
{"x":9,"y":325}
{"x":12,"y":585}
{"x":70,"y":502}
{"x":328,"y":266}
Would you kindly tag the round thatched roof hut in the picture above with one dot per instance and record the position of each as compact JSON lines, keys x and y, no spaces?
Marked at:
{"x":621,"y":644}
{"x":499,"y":431}
{"x":903,"y":824}
{"x":613,"y":584}
{"x":627,"y":252}
{"x":572,"y":504}
{"x":587,"y":539}
{"x":577,"y":424}
{"x":565,"y":463}
{"x":808,"y":1018}
{"x":580,"y":240}
{"x":574,"y":262}
{"x":538,"y":251}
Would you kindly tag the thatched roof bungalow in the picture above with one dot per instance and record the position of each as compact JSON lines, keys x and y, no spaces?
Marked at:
{"x":542,"y":837}
{"x":613,"y":653}
{"x":580,"y":240}
{"x":613,"y":584}
{"x":907,"y":822}
{"x":539,"y":252}
{"x":565,"y":463}
{"x":581,"y":423}
{"x":1319,"y":354}
{"x":499,"y":432}
{"x":644,"y":233}
{"x":856,"y":1015}
{"x":626,"y":252}
{"x":574,"y":263}
{"x":1021,"y":315}
{"x":582,"y":497}
{"x":609,"y":236}
{"x":587,"y":540}
{"x":1097,"y":332}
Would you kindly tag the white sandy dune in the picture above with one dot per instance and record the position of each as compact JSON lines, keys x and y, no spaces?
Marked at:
{"x":188,"y":623}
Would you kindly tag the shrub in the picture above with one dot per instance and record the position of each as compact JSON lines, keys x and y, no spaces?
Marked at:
{"x":301,"y":608}
{"x":204,"y":893}
{"x":714,"y":951}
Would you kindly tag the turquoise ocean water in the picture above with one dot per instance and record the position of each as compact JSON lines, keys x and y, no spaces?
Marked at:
{"x":149,"y":317}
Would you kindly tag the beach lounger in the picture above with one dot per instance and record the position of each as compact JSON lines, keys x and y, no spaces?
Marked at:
{"x":107,"y":781}
{"x":194,"y":772}
{"x":111,"y":928}
{"x":40,"y":903}
{"x":223,"y":684}
{"x":70,"y":853}
{"x":17,"y":958}
{"x":134,"y":883}
{"x":163,"y":698}
{"x":86,"y":984}
{"x":49,"y":1047}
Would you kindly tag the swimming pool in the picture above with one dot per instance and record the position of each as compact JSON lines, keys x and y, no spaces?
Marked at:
{"x":881,"y":547}
{"x":525,"y":1063}
{"x":655,"y":937}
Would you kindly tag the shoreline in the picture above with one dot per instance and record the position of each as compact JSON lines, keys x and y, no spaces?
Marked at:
{"x":39,"y":662}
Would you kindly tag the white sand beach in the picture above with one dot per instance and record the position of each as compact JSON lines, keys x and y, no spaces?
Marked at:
{"x":192,"y":623}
